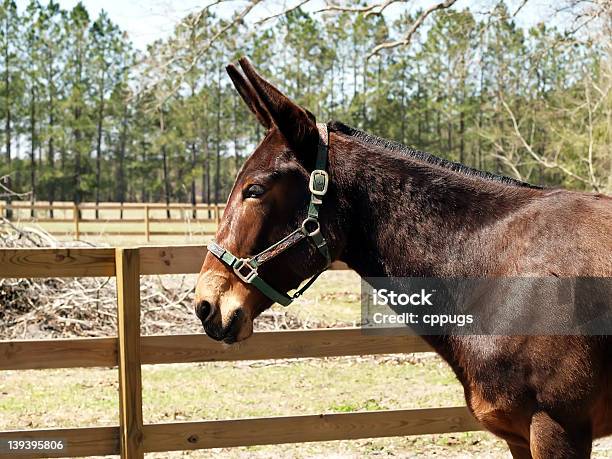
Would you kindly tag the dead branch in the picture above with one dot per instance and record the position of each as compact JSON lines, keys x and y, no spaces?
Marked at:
{"x":162,"y":68}
{"x":66,"y":307}
{"x":282,"y":13}
{"x":545,"y":162}
{"x":412,"y":30}
{"x":520,"y":7}
{"x":8,"y":193}
{"x":367,"y":10}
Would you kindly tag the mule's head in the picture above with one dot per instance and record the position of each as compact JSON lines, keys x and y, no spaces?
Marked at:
{"x":269,"y":199}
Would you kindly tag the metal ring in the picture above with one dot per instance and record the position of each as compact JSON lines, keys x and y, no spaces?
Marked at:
{"x":308,"y":221}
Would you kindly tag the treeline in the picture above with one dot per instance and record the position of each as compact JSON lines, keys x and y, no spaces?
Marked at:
{"x":85,"y":117}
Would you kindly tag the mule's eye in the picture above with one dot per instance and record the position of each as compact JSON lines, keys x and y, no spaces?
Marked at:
{"x":254,"y":191}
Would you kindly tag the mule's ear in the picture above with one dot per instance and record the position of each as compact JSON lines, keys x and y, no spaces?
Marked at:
{"x":297,"y":124}
{"x":250,"y":97}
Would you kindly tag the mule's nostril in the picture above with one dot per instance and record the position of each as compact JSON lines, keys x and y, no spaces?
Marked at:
{"x":203,"y":310}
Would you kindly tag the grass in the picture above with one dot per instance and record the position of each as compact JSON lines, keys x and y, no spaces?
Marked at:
{"x":79,"y":397}
{"x":333,"y":298}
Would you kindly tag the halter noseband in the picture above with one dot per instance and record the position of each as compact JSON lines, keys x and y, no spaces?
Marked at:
{"x":246,"y":268}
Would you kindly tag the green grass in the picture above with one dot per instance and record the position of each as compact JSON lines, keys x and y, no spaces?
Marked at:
{"x":68,"y":398}
{"x":333,"y":298}
{"x":81,"y":397}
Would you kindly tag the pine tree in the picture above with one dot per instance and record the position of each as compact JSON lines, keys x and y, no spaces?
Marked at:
{"x":11,"y":84}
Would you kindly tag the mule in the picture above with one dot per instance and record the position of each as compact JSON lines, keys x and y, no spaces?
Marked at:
{"x":392,"y":211}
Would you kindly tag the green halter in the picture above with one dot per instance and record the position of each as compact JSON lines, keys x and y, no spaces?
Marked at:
{"x":246,"y":268}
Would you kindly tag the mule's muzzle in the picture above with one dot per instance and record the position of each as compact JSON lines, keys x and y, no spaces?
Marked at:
{"x":213,"y":323}
{"x":203,"y":310}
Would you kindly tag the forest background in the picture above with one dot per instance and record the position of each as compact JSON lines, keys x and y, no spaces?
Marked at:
{"x":86,"y":116}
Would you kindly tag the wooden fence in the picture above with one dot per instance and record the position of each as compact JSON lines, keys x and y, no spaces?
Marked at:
{"x":45,"y":213}
{"x":128,"y":351}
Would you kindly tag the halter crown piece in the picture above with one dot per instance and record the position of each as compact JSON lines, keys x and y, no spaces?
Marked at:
{"x":246,"y":268}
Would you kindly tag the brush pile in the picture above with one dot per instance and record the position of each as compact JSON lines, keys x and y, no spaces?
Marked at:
{"x":69,"y":307}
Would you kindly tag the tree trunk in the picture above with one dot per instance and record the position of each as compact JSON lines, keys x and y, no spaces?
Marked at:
{"x":77,"y":142}
{"x":403,"y":105}
{"x":143,"y":191}
{"x":51,"y":153}
{"x":33,"y":150}
{"x":218,"y":141}
{"x":331,"y":92}
{"x":7,"y":125}
{"x":99,"y":145}
{"x":166,"y":181}
{"x":463,"y":109}
{"x":364,"y":107}
{"x":483,"y":63}
{"x":206,"y":178}
{"x":194,"y":164}
{"x":122,"y":146}
{"x":235,"y":132}
{"x":77,"y":159}
{"x":63,"y":166}
{"x":462,"y":136}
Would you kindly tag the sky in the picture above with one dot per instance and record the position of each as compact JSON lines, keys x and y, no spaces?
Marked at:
{"x":148,"y":20}
{"x":144,"y":20}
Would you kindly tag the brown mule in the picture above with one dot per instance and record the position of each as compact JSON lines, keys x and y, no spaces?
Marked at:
{"x":392,"y":211}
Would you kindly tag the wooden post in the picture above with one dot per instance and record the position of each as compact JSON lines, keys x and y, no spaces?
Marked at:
{"x":75,"y":216}
{"x":127,"y":262}
{"x":217,"y":215}
{"x":147,"y":223}
{"x":8,"y":209}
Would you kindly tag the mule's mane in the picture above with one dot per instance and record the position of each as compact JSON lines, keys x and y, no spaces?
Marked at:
{"x":423,"y":156}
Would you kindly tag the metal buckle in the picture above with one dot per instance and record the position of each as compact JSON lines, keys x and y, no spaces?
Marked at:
{"x":311,"y":185}
{"x":240,"y":264}
{"x":315,"y":231}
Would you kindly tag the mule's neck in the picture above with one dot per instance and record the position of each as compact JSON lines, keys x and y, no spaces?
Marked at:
{"x":401,"y":216}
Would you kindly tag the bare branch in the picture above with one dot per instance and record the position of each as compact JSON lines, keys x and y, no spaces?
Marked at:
{"x":382,"y":8}
{"x":545,"y":161}
{"x":415,"y":26}
{"x":374,"y":8}
{"x":202,"y":51}
{"x":282,"y":13}
{"x":7,"y":192}
{"x":587,"y":94}
{"x":510,"y":164}
{"x":520,"y":7}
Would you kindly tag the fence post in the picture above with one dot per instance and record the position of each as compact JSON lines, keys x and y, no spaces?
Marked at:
{"x":9,"y":209}
{"x":147,"y":223}
{"x":217,"y":215}
{"x":127,"y":262}
{"x":75,"y":216}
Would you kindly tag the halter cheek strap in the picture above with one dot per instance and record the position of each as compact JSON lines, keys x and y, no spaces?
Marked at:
{"x":246,"y":268}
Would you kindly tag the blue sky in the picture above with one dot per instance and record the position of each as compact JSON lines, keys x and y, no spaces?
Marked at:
{"x":146,"y":21}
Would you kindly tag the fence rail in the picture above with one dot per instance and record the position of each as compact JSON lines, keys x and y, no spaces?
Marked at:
{"x":128,"y":351}
{"x":28,"y":211}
